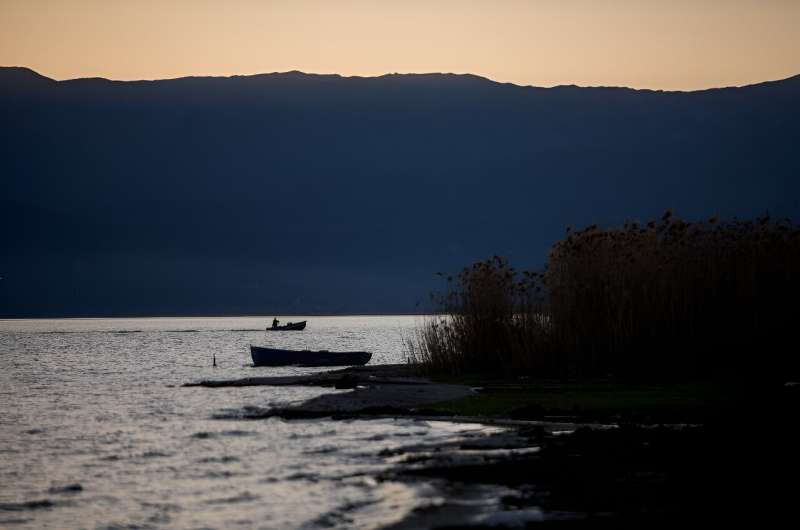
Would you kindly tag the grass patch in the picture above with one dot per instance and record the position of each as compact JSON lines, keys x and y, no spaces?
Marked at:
{"x":674,"y":403}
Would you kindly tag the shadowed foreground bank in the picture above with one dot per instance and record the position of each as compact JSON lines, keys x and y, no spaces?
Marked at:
{"x":595,"y":453}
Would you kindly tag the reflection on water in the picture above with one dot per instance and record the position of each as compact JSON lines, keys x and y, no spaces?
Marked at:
{"x":96,"y":431}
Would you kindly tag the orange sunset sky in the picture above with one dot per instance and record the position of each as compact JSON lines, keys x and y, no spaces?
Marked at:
{"x":677,"y":44}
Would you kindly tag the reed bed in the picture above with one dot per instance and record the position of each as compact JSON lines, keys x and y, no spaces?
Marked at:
{"x":669,"y":299}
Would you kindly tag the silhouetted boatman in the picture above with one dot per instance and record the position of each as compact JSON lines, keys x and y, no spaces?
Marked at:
{"x":275,"y":322}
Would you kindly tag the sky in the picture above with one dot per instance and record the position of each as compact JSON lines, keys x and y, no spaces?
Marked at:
{"x":673,"y":45}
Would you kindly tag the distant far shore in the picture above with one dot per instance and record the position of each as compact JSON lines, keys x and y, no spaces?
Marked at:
{"x":265,"y":315}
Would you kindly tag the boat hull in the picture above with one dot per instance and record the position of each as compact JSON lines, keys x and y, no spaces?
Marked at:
{"x":295,"y":326}
{"x":277,"y":357}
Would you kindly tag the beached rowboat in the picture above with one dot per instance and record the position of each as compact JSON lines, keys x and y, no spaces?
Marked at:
{"x":291,"y":326}
{"x":277,"y":357}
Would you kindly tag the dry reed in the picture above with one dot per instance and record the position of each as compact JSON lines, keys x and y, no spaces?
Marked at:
{"x":670,"y":300}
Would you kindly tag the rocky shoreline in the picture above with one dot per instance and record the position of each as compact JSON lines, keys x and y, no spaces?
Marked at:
{"x":544,"y":470}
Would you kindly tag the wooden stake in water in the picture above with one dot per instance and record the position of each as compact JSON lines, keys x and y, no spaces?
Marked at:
{"x":214,"y":360}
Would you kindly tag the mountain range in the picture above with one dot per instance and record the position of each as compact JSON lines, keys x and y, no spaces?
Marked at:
{"x":294,"y":193}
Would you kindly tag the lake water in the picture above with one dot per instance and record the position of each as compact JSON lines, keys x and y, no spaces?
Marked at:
{"x":96,"y":431}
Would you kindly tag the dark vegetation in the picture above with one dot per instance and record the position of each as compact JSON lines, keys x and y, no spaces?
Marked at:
{"x":669,"y":300}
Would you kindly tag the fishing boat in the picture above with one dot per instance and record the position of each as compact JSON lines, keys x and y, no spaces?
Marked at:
{"x":291,"y":326}
{"x":277,"y":357}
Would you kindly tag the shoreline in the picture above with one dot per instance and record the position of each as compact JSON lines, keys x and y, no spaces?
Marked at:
{"x":380,"y":390}
{"x":401,"y":390}
{"x":593,"y":468}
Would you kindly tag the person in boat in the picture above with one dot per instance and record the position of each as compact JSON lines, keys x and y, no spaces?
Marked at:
{"x":275,"y":322}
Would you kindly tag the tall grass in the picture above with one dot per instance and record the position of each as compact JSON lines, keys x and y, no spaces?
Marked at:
{"x":669,"y":299}
{"x":491,"y":317}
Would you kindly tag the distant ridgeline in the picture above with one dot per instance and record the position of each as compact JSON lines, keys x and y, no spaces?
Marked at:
{"x":296,"y":193}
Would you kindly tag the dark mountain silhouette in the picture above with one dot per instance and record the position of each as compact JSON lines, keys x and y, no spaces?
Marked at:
{"x":292,"y":192}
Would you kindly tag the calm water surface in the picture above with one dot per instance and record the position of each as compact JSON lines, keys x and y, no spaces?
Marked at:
{"x":96,"y":431}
